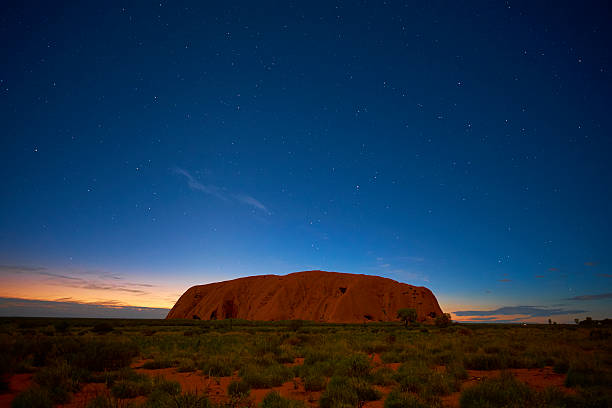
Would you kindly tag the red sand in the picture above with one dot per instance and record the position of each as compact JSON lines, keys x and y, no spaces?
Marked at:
{"x":312,"y":295}
{"x":17,"y":383}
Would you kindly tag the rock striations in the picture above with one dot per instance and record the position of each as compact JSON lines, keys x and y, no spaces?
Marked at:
{"x":312,"y":295}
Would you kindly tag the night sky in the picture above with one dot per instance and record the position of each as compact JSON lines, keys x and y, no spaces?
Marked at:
{"x":150,"y":146}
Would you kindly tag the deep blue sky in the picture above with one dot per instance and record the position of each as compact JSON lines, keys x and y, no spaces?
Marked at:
{"x":150,"y":146}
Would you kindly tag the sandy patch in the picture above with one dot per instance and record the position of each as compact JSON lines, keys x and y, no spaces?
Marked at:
{"x":17,"y":384}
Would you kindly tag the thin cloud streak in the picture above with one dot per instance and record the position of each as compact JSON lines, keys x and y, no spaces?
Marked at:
{"x":76,"y":282}
{"x":219,"y":192}
{"x":592,"y":297}
{"x":530,"y":311}
{"x":250,"y":201}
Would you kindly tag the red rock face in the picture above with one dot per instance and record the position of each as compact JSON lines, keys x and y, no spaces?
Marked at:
{"x":312,"y":295}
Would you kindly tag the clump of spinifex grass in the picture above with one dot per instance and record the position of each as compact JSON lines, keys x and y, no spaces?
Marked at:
{"x":347,"y":391}
{"x":34,"y":396}
{"x":159,"y":363}
{"x":265,"y":377}
{"x":398,"y":399}
{"x":274,"y":400}
{"x":507,"y":391}
{"x":418,"y":378}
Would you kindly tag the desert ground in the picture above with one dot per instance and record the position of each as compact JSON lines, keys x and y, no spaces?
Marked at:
{"x":92,"y":363}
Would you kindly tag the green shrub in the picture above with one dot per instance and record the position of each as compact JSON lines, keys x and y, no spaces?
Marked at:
{"x":482,"y":361}
{"x":314,"y":382}
{"x":357,"y":365}
{"x":133,"y":387}
{"x":504,"y":391}
{"x":265,"y":377}
{"x":186,"y":365}
{"x":346,"y":391}
{"x":186,"y":400}
{"x":397,"y":399}
{"x":238,"y":389}
{"x":158,"y":364}
{"x":60,"y":380}
{"x":218,"y":366}
{"x":104,"y":354}
{"x":274,"y":400}
{"x":160,"y":384}
{"x":338,"y":393}
{"x":33,"y":397}
{"x":102,"y":401}
{"x":383,"y":376}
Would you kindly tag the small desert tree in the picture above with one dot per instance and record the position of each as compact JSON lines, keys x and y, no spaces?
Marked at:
{"x":407,"y":315}
{"x":443,"y":320}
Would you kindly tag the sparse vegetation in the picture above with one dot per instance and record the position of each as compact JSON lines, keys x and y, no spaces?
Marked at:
{"x":335,"y":365}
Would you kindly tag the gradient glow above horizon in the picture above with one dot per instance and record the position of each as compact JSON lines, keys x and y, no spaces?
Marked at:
{"x":151,"y":146}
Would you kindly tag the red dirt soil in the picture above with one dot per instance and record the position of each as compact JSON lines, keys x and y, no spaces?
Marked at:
{"x":312,"y":295}
{"x":17,"y":383}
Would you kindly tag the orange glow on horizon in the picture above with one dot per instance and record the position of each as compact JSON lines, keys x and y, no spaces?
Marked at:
{"x":99,"y":292}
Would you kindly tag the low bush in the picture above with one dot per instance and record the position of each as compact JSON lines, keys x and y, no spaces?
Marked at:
{"x":218,"y":366}
{"x":102,"y":401}
{"x":33,"y":397}
{"x":314,"y":382}
{"x":504,"y":391}
{"x":347,"y":391}
{"x":131,"y":385}
{"x":104,"y":354}
{"x":238,"y":389}
{"x":398,"y":399}
{"x":274,"y":400}
{"x":158,"y":364}
{"x":60,"y":380}
{"x":265,"y":377}
{"x":383,"y":376}
{"x":357,"y":365}
{"x":186,"y":365}
{"x":481,"y":361}
{"x":186,"y":400}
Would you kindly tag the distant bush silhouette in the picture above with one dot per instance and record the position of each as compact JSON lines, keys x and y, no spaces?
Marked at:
{"x":444,"y":320}
{"x":102,"y":328}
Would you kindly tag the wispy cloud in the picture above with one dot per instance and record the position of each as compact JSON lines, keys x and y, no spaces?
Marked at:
{"x":523,"y":311}
{"x":76,"y":281}
{"x":205,"y":188}
{"x":21,"y":268}
{"x":401,"y":267}
{"x":220,"y":193}
{"x":604,"y":275}
{"x":504,"y":280}
{"x":246,"y":199}
{"x":592,"y":297}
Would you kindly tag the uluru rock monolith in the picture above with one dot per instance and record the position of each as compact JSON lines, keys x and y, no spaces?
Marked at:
{"x":311,"y":295}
